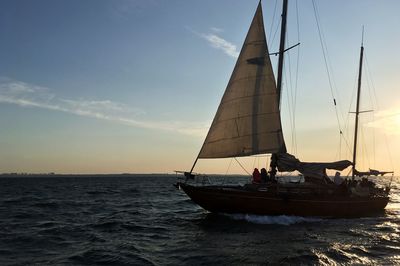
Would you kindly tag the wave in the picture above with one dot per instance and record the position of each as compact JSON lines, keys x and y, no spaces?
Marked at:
{"x":302,"y":259}
{"x":108,"y":257}
{"x":281,"y":219}
{"x":100,"y":192}
{"x":126,"y":221}
{"x":48,"y":204}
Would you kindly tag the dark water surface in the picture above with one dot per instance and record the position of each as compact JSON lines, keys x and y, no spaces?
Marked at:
{"x":144,"y":220}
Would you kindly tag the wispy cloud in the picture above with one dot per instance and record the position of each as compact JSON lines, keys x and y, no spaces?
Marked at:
{"x":218,"y":42}
{"x":215,"y":29}
{"x":28,"y":95}
{"x":125,"y":9}
{"x":387,"y":120}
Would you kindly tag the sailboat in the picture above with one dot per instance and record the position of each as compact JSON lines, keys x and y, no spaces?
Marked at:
{"x":248,"y":122}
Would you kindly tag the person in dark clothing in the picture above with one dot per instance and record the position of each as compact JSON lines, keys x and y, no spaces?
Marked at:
{"x":256,"y":176}
{"x":264,"y":175}
{"x":272,"y":167}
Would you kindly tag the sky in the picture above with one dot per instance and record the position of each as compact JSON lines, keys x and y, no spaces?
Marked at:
{"x":131,"y":86}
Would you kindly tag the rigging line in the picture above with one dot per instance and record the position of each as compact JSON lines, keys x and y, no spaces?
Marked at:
{"x":328,"y":65}
{"x":374,"y":105}
{"x":339,"y":150}
{"x":377,"y":107}
{"x":372,"y":82}
{"x":326,"y":61}
{"x":346,"y":133}
{"x":275,"y":33}
{"x":272,"y":23}
{"x":290,"y":92}
{"x":288,"y":96}
{"x":289,"y":69}
{"x":242,"y":166}
{"x":334,"y":91}
{"x":227,"y":170}
{"x":289,"y":106}
{"x":289,"y":89}
{"x":292,"y":108}
{"x":370,"y":93}
{"x":289,"y":74}
{"x":323,"y":47}
{"x":373,"y":141}
{"x":364,"y":146}
{"x":347,"y":144}
{"x":340,"y":146}
{"x":346,"y":137}
{"x":342,"y":136}
{"x":388,"y":150}
{"x":347,"y":124}
{"x":296,"y":78}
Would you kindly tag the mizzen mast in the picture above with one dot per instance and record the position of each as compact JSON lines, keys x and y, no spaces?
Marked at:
{"x":357,"y":107}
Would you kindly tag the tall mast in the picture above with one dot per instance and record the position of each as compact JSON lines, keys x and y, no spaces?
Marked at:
{"x":357,"y":107}
{"x":281,"y":49}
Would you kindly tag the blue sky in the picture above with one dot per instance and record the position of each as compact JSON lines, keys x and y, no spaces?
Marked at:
{"x":132,"y":85}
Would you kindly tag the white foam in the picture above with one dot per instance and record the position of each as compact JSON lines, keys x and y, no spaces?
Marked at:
{"x":281,"y":219}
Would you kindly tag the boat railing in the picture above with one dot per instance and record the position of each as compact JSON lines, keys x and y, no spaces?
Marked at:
{"x":184,"y":177}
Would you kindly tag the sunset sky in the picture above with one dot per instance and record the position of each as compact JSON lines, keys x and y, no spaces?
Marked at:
{"x":103,"y":86}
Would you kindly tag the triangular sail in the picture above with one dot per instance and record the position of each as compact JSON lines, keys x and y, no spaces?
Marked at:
{"x":248,"y":120}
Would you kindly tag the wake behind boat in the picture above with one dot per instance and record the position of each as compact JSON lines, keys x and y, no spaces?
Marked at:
{"x":248,"y":122}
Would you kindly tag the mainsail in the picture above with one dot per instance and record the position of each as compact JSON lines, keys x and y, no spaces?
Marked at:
{"x":248,"y":120}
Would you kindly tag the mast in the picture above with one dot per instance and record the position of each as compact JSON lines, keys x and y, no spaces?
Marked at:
{"x":357,"y":107}
{"x":273,"y":163}
{"x":281,"y":50}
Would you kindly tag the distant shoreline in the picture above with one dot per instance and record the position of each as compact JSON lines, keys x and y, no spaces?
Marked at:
{"x":79,"y":175}
{"x":55,"y":175}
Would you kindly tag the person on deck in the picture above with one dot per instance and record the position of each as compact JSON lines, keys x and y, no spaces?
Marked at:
{"x":256,"y":176}
{"x":264,"y":175}
{"x":272,"y":169}
{"x":338,"y":180}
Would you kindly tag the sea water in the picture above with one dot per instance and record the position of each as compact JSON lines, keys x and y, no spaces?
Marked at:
{"x":144,"y":220}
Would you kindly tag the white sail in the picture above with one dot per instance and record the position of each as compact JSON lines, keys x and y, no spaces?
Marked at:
{"x":248,"y":120}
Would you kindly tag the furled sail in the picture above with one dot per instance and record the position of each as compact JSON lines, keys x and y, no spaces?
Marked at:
{"x":372,"y":172}
{"x":248,"y":120}
{"x":288,"y":163}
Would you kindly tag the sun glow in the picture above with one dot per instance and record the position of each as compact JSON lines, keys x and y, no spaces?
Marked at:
{"x":397,"y":122}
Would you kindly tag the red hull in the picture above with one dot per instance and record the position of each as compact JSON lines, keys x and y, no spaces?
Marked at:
{"x":225,"y":199}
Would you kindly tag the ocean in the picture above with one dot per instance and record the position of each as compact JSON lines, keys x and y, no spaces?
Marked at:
{"x":144,"y":220}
